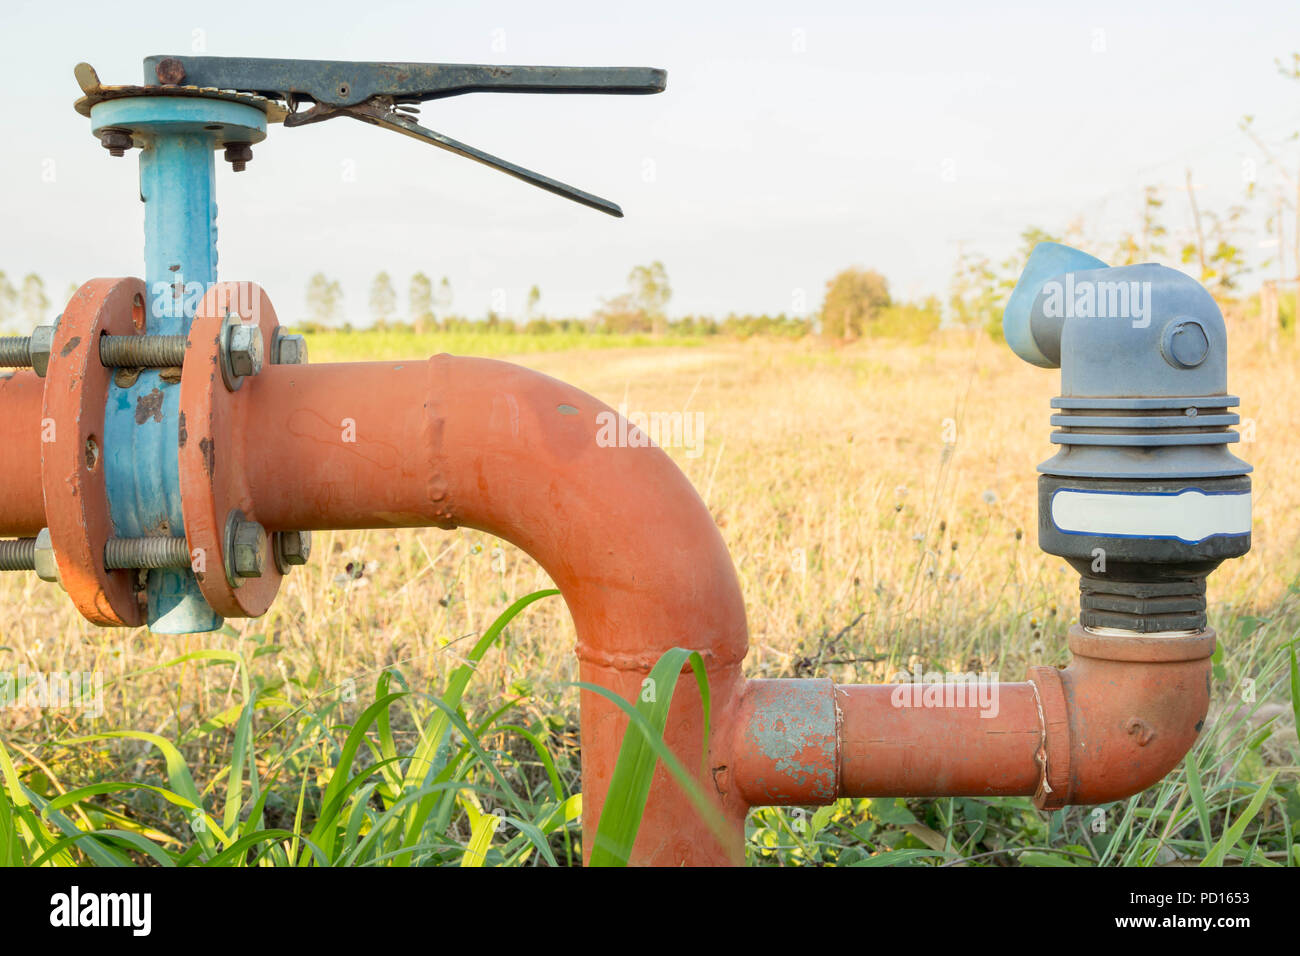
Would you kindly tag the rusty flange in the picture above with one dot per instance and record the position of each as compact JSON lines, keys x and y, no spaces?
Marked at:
{"x":213,"y":476}
{"x":72,"y":469}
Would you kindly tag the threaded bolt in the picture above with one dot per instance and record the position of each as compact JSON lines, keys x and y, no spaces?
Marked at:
{"x":141,"y":351}
{"x":238,"y":155}
{"x":15,"y":351}
{"x":18,"y":554}
{"x":154,"y":552}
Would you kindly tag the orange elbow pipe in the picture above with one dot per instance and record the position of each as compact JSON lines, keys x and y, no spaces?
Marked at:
{"x":22,"y":502}
{"x":488,"y":445}
{"x":1121,"y":716}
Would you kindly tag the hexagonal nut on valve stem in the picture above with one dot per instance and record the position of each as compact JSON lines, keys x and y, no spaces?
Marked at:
{"x":292,"y":548}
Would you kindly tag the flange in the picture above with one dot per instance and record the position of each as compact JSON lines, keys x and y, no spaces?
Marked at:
{"x":212,"y":474}
{"x":72,"y":469}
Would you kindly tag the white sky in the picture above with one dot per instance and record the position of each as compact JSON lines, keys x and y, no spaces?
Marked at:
{"x":794,"y":139}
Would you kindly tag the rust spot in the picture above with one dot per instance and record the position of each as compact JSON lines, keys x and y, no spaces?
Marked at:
{"x":72,"y":344}
{"x":149,"y":405}
{"x":181,"y":433}
{"x":1141,"y":732}
{"x":205,"y":446}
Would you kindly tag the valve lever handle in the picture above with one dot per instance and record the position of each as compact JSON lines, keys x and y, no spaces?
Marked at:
{"x":379,"y":115}
{"x":349,"y":83}
{"x":376,"y":93}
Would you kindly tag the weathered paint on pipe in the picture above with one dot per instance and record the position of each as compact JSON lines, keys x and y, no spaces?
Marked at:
{"x":466,"y":442}
{"x":22,"y":501}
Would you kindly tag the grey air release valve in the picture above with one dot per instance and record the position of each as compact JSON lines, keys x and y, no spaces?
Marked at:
{"x":1143,"y":499}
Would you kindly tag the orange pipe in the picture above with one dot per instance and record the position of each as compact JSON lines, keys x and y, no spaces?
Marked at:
{"x":488,"y":445}
{"x":22,"y":500}
{"x":1120,"y":717}
{"x":896,"y":744}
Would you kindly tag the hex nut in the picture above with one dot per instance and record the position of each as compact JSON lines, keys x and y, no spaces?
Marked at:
{"x":289,"y":349}
{"x":248,"y":545}
{"x":238,"y":155}
{"x":244,"y":349}
{"x":292,"y":548}
{"x":47,"y":569}
{"x":42,"y":343}
{"x":116,"y":141}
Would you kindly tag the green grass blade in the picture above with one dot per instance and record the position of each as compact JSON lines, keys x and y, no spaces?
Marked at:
{"x":620,"y":818}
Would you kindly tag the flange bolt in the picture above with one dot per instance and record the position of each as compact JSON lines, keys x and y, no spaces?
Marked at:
{"x":116,"y":141}
{"x":248,"y":549}
{"x":238,"y":155}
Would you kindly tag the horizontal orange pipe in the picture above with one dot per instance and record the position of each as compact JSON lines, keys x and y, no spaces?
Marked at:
{"x":1118,"y":719}
{"x":896,"y":745}
{"x":22,"y":502}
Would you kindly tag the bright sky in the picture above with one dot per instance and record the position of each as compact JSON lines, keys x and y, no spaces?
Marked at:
{"x":794,"y":139}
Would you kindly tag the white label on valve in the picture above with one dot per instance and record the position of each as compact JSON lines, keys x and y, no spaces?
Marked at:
{"x":1191,"y":515}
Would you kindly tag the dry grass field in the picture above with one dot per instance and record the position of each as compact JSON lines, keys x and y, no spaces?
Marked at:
{"x":878,"y":501}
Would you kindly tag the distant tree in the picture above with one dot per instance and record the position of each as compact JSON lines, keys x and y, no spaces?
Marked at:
{"x":534,"y":297}
{"x":854,"y":299}
{"x":34,"y":301}
{"x":650,"y":292}
{"x":421,"y":295}
{"x":1145,"y":244}
{"x":1223,"y":262}
{"x":444,"y":297}
{"x":974,"y":295}
{"x":383,"y":299}
{"x":620,"y":315}
{"x":324,"y":299}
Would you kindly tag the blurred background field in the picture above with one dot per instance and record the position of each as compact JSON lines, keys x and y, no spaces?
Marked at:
{"x":878,"y":499}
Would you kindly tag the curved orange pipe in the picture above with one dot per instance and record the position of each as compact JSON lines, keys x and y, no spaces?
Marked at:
{"x":488,"y":445}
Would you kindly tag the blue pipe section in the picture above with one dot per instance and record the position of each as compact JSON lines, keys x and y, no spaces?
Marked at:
{"x":141,"y":421}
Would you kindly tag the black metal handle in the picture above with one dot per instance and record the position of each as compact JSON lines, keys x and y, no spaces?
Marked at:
{"x":345,"y":83}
